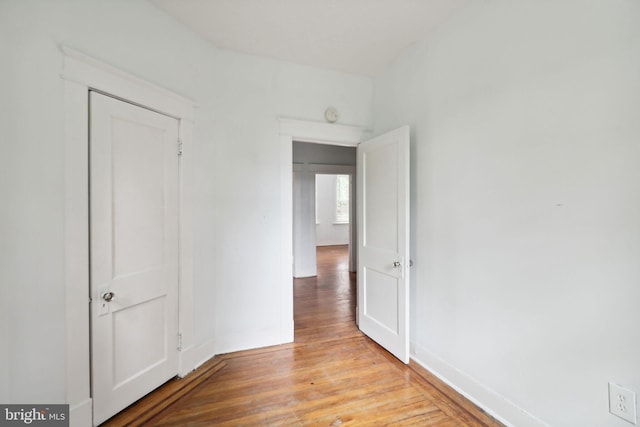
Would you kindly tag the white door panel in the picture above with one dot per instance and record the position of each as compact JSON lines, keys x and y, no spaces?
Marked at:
{"x":380,"y":203}
{"x":383,"y":261}
{"x":134,"y":252}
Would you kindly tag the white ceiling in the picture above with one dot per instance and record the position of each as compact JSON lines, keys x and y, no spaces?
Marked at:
{"x":356,"y":36}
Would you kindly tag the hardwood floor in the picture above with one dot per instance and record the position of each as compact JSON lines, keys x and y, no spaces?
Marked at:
{"x":331,"y":375}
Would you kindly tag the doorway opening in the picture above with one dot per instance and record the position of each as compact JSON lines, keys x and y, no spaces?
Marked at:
{"x":324,"y":238}
{"x":292,"y":132}
{"x":324,"y":209}
{"x":332,"y":199}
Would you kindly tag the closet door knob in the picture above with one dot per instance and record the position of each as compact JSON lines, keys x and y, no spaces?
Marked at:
{"x":108,"y":296}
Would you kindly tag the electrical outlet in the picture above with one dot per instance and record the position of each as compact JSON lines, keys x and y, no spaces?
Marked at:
{"x":622,"y":403}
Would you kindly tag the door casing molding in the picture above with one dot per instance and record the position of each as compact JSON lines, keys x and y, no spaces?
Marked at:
{"x":82,"y":73}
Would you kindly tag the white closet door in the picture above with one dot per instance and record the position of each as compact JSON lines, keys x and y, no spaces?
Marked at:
{"x":134,"y":252}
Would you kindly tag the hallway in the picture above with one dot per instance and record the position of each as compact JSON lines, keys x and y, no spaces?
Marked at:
{"x":331,"y":375}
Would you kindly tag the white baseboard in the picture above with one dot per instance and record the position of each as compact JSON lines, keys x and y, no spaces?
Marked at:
{"x":80,"y":414}
{"x":287,"y":334}
{"x":491,"y":402}
{"x":194,"y":356}
{"x":230,"y":343}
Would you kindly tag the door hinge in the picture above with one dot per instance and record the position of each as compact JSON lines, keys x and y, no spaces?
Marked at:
{"x":179,"y":341}
{"x":179,"y":148}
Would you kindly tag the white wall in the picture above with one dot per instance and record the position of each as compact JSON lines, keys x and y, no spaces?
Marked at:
{"x":526,"y":203}
{"x":237,"y":172}
{"x":304,"y":227}
{"x":328,"y":232}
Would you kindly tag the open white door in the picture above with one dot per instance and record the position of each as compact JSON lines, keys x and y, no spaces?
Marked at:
{"x":383,"y":241}
{"x":134,"y":252}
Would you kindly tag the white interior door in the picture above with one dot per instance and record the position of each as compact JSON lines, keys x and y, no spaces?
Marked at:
{"x":383,"y":240}
{"x":134,"y":252}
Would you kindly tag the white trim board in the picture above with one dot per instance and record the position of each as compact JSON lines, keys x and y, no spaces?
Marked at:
{"x":323,"y":133}
{"x":82,"y":73}
{"x":319,"y":168}
{"x":90,"y":72}
{"x":82,"y":412}
{"x":491,"y":402}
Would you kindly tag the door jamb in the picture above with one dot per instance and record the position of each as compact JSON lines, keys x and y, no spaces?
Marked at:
{"x":302,"y":131}
{"x":82,"y":73}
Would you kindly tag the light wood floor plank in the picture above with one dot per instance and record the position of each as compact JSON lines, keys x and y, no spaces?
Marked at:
{"x":332,"y":375}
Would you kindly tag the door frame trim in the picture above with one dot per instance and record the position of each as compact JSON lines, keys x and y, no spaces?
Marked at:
{"x":302,"y":131}
{"x":82,"y":73}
